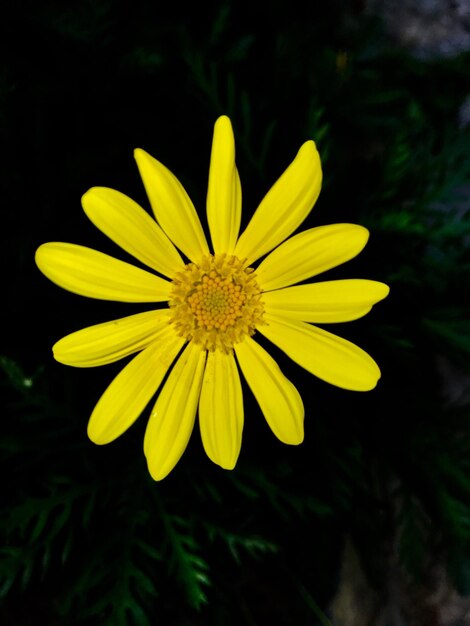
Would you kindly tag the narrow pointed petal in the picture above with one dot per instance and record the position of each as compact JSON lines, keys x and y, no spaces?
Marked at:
{"x":132,"y":389}
{"x":108,"y":342}
{"x":172,"y":206}
{"x":224,"y":195}
{"x":96,"y":275}
{"x":331,"y":358}
{"x":221,"y":409}
{"x":309,"y":253}
{"x":326,"y":302}
{"x":279,"y":400}
{"x":284,"y":207}
{"x":132,"y":228}
{"x":172,"y":419}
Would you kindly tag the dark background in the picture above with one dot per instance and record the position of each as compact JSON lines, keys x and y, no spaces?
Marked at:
{"x":367,"y":522}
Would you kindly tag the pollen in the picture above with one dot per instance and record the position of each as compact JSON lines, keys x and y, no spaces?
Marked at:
{"x":216,"y":302}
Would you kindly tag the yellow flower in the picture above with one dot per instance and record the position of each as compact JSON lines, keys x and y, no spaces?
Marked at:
{"x":216,"y":302}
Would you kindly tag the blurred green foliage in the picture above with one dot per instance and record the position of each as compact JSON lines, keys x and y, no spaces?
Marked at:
{"x":87,"y":537}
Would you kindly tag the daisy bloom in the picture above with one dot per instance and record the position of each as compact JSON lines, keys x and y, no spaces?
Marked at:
{"x":213,"y":301}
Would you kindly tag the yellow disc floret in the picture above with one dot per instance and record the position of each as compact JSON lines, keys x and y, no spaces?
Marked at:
{"x":216,"y":302}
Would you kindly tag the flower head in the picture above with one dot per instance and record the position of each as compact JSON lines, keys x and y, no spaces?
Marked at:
{"x":215,"y":301}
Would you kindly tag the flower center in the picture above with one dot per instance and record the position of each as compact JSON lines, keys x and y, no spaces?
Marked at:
{"x":216,"y":302}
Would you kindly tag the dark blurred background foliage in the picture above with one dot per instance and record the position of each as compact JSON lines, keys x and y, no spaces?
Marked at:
{"x":377,"y":497}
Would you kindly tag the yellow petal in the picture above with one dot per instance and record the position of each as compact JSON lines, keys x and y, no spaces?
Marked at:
{"x":284,"y":207}
{"x":221,"y":409}
{"x":331,"y":358}
{"x":172,"y":206}
{"x":131,"y":390}
{"x":224,"y":195}
{"x":326,"y":302}
{"x":279,"y":400}
{"x":96,"y":275}
{"x":172,"y":419}
{"x":132,"y":228}
{"x":309,"y":253}
{"x":110,"y":341}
